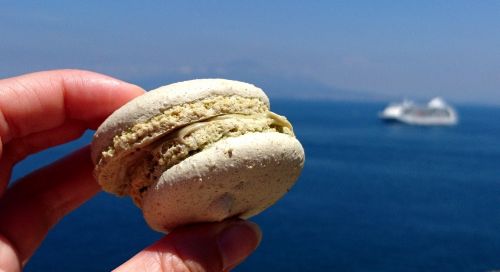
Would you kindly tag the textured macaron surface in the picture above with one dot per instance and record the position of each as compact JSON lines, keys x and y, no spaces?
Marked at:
{"x":197,"y":151}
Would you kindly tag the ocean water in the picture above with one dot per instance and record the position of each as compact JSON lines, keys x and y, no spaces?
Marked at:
{"x":372,"y":197}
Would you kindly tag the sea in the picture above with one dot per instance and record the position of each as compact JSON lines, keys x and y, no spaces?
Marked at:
{"x":372,"y":197}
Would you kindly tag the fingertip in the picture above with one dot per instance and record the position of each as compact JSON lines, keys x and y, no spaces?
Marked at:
{"x":86,"y":90}
{"x":86,"y":76}
{"x":135,"y":90}
{"x":237,"y":241}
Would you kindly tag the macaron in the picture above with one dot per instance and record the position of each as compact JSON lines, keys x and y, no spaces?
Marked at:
{"x":197,"y":151}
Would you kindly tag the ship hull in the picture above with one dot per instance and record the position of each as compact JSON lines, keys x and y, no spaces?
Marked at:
{"x":435,"y":114}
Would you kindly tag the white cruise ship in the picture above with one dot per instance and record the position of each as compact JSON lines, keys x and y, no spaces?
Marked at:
{"x":435,"y":113}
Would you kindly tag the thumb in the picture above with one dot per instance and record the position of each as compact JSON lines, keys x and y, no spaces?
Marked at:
{"x":203,"y":247}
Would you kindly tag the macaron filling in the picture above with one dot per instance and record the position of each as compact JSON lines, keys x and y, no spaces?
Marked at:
{"x":193,"y":138}
{"x":113,"y":165}
{"x":182,"y":115}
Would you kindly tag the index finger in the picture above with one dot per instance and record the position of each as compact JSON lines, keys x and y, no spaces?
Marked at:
{"x":45,"y":100}
{"x":44,"y":109}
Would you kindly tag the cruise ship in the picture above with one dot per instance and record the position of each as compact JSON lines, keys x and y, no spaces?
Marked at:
{"x":435,"y":113}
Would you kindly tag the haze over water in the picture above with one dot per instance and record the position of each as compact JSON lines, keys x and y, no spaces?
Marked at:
{"x":395,"y":49}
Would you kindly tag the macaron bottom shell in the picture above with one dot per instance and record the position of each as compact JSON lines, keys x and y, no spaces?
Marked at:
{"x":191,"y":139}
{"x":236,"y":177}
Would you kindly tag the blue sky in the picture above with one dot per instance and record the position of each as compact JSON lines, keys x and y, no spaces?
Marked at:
{"x":414,"y":49}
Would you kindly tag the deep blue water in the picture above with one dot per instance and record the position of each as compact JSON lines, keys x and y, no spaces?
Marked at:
{"x":372,"y":197}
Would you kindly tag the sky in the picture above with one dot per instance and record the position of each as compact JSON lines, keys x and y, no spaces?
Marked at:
{"x":400,"y":49}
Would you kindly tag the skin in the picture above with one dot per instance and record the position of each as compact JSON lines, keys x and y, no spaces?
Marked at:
{"x":45,"y":109}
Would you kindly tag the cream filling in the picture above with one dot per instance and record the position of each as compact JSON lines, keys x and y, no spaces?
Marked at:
{"x":276,"y":121}
{"x":182,"y":115}
{"x":195,"y":137}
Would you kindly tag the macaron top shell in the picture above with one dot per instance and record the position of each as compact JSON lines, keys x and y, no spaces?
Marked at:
{"x":152,"y":103}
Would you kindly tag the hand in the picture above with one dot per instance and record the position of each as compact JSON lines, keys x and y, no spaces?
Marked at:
{"x":44,"y":109}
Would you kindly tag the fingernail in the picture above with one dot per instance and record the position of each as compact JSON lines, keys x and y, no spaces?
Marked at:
{"x":237,"y":241}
